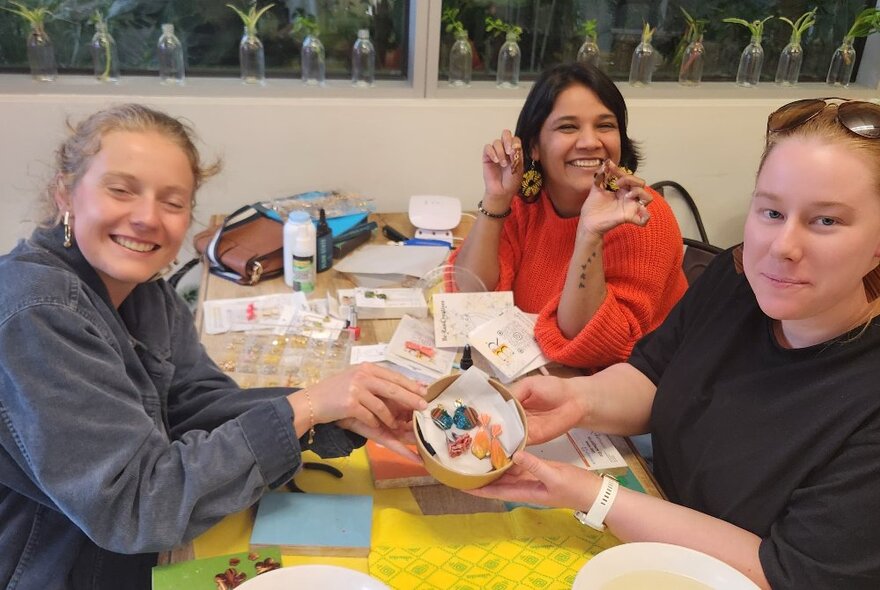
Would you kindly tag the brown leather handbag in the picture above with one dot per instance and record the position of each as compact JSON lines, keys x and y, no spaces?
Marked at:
{"x":246,"y":248}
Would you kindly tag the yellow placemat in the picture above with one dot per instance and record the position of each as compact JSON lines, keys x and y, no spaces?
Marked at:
{"x":525,"y":548}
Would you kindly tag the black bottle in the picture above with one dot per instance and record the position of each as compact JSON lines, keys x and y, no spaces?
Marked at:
{"x":467,"y":360}
{"x":324,"y":245}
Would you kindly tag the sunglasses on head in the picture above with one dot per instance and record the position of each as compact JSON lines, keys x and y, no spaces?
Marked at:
{"x":858,"y":116}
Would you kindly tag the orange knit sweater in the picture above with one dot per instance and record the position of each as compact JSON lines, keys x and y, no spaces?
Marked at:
{"x":642,"y":273}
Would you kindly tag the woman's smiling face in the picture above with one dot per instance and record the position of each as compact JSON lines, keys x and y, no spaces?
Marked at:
{"x":131,"y":209}
{"x":577,"y":136}
{"x":812,"y":233}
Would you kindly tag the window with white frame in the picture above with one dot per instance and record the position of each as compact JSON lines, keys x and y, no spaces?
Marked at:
{"x":552,"y":31}
{"x":210,"y":32}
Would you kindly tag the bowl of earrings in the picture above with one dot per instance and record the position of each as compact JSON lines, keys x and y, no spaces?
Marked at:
{"x":470,"y":430}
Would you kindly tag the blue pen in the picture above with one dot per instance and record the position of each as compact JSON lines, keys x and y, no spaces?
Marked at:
{"x":426,"y":242}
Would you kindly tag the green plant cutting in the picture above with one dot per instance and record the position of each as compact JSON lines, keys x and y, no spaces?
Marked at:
{"x":756,"y":27}
{"x":307,"y":25}
{"x":496,"y":26}
{"x":804,"y":22}
{"x":453,"y":25}
{"x":647,"y":33}
{"x":867,"y":22}
{"x":101,"y":24}
{"x":694,"y":32}
{"x":695,"y":26}
{"x":251,"y":17}
{"x":35,"y":16}
{"x":589,"y":29}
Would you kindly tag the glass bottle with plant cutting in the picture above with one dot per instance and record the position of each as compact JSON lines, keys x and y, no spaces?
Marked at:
{"x":641,"y":68}
{"x":312,"y":54}
{"x":40,"y":51}
{"x":752,"y":59}
{"x":251,"y":55}
{"x":692,"y":53}
{"x":844,"y":58}
{"x":509,"y":57}
{"x":589,"y":50}
{"x":461,"y":57}
{"x":792,"y":57}
{"x":103,"y":48}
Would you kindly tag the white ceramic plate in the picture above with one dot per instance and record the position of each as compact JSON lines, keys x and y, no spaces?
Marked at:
{"x":633,"y":557}
{"x":325,"y":577}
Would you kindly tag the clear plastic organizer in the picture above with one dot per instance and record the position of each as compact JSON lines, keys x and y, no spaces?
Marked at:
{"x":335,"y":204}
{"x":264,"y":359}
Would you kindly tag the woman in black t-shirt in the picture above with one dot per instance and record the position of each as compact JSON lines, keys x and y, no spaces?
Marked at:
{"x":761,"y":387}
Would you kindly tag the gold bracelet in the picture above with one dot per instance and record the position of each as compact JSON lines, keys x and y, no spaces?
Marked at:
{"x":493,"y":215}
{"x":311,"y":417}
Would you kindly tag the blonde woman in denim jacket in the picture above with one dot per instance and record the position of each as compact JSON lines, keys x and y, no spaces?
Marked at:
{"x":119,"y":437}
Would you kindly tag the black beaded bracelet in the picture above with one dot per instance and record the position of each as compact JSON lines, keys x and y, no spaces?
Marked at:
{"x":493,"y":215}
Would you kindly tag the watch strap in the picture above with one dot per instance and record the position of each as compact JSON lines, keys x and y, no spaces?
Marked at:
{"x":595,"y":516}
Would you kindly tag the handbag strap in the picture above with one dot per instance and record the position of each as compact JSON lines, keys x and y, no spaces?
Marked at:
{"x":235,"y":219}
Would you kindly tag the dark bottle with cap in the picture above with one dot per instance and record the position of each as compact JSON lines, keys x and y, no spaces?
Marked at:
{"x":324,"y":245}
{"x":466,"y":361}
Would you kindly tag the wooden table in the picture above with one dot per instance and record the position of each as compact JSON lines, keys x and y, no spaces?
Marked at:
{"x":434,"y":499}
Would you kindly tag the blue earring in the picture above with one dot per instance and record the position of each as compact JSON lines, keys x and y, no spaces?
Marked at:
{"x":465,"y":417}
{"x":441,"y":418}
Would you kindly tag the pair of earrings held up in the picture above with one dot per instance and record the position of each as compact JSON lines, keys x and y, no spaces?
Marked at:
{"x":532,"y":179}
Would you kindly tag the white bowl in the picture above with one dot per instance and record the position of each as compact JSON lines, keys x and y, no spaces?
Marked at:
{"x":638,"y":557}
{"x":325,"y":577}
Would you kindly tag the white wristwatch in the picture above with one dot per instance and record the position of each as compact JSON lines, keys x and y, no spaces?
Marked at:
{"x":595,"y":517}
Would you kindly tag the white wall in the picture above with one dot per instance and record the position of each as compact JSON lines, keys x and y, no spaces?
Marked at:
{"x":709,"y":139}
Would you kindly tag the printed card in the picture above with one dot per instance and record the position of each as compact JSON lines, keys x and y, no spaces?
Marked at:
{"x":582,"y":448}
{"x":263,"y":312}
{"x":457,"y":314}
{"x":412,"y":346}
{"x":507,"y":342}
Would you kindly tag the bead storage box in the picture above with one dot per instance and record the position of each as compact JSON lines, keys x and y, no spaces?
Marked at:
{"x":262,"y":359}
{"x":478,"y":434}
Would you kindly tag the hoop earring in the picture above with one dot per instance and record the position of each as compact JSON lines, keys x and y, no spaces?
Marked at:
{"x":531,"y":182}
{"x":68,"y":237}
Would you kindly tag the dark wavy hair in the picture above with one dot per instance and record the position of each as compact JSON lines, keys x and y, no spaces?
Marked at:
{"x":547,"y":89}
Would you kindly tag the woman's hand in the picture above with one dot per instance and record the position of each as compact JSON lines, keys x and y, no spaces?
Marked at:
{"x":502,"y":172}
{"x":552,"y":406}
{"x":605,"y":209}
{"x":546,"y":483}
{"x":393,"y":439}
{"x":370,"y":394}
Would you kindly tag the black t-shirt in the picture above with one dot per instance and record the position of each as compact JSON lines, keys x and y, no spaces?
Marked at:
{"x":782,"y":442}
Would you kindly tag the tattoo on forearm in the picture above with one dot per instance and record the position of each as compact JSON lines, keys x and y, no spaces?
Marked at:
{"x":590,"y":258}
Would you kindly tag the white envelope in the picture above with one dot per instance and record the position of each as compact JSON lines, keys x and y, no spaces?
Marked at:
{"x":415,"y":261}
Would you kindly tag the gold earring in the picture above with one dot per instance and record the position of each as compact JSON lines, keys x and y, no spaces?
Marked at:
{"x":531,"y":182}
{"x":68,"y":238}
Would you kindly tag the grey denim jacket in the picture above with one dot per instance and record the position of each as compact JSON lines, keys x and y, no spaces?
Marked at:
{"x":119,"y":437}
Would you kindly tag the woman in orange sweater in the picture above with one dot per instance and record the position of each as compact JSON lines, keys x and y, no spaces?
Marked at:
{"x":587,"y":245}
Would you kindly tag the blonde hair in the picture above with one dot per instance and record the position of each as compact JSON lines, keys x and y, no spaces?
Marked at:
{"x":73,"y":156}
{"x":825,"y":126}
